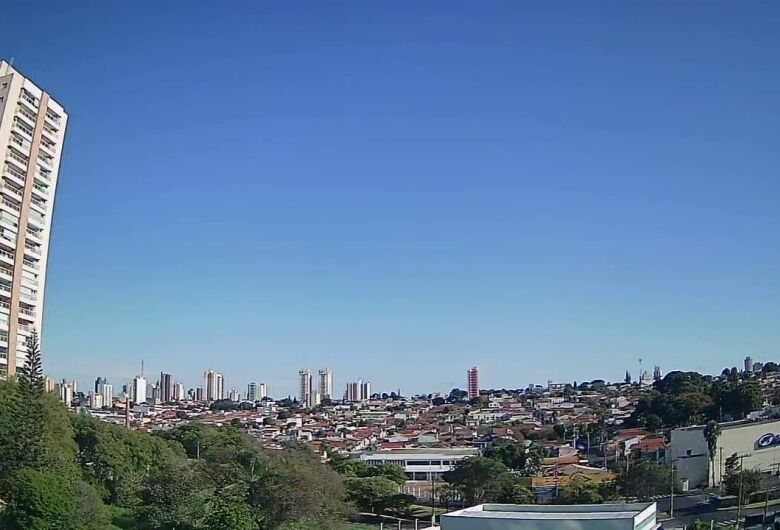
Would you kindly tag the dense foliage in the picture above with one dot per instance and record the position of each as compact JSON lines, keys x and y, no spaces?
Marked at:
{"x":71,"y":472}
{"x":687,"y":398}
{"x":481,"y":479}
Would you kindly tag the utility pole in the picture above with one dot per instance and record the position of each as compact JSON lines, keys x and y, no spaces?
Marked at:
{"x":671,"y":495}
{"x":433,"y":500}
{"x":741,"y":475}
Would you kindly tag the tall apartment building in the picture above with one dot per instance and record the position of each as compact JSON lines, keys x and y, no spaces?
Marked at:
{"x":748,"y":364}
{"x":326,"y":383}
{"x":305,"y":387}
{"x":473,"y":382}
{"x":32,"y":131}
{"x":255,"y":392}
{"x":215,"y":385}
{"x":107,"y":391}
{"x":358,"y":391}
{"x":138,"y":389}
{"x":166,"y":387}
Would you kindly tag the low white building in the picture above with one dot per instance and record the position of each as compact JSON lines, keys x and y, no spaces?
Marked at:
{"x":757,"y":441}
{"x":641,"y":516}
{"x":419,"y":463}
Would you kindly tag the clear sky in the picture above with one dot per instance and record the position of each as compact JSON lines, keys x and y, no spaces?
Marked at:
{"x":401,"y":190}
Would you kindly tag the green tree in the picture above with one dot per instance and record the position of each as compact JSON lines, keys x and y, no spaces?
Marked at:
{"x":169,"y":500}
{"x":507,"y":488}
{"x":229,"y":515}
{"x":643,"y":478}
{"x":41,"y":500}
{"x":371,"y":494}
{"x":711,"y":434}
{"x":738,"y":481}
{"x":474,"y":478}
{"x":582,"y":490}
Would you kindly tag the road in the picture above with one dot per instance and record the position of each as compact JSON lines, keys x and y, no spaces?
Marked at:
{"x":692,"y":506}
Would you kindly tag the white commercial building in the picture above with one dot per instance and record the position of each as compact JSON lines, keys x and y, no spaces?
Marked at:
{"x":641,"y":516}
{"x":32,"y":132}
{"x":421,"y":464}
{"x":757,"y":441}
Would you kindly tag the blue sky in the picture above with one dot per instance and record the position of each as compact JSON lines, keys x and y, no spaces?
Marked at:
{"x":400,"y":190}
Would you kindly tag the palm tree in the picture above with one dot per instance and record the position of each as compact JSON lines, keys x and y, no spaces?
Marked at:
{"x":711,"y":433}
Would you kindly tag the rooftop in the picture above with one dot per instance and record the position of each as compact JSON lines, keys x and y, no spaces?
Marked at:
{"x":528,"y":512}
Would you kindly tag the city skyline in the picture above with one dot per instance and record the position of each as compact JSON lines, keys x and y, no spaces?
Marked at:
{"x":470,"y":193}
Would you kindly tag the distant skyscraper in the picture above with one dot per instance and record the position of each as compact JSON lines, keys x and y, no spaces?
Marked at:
{"x":748,"y":364}
{"x":107,"y":392}
{"x":165,"y":392}
{"x":65,"y":391}
{"x":358,"y":391}
{"x":95,"y":400}
{"x":178,"y":392}
{"x":235,"y":395}
{"x":262,"y":391}
{"x":251,"y":392}
{"x":138,"y":390}
{"x":99,"y":381}
{"x":657,"y":373}
{"x":473,"y":382}
{"x":214,"y":385}
{"x":32,"y":131}
{"x":326,"y":383}
{"x":199,"y":394}
{"x":305,"y":387}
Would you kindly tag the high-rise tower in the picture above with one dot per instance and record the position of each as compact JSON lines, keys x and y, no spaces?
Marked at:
{"x":32,"y":131}
{"x":326,"y":383}
{"x":473,"y":382}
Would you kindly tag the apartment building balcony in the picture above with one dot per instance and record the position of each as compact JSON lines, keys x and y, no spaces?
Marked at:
{"x":6,"y":273}
{"x":4,"y":338}
{"x":36,"y":236}
{"x":45,"y":162}
{"x":34,"y":251}
{"x":30,"y":283}
{"x":5,"y":290}
{"x":24,"y":329}
{"x":29,"y":298}
{"x":43,"y":174}
{"x":14,"y":175}
{"x":6,"y":257}
{"x":10,"y":191}
{"x":9,"y":205}
{"x":17,"y":141}
{"x":28,"y":97}
{"x":38,"y":205}
{"x":26,"y":116}
{"x":5,"y":307}
{"x":36,"y":220}
{"x":47,"y":148}
{"x":8,"y":242}
{"x":31,"y":264}
{"x":21,"y":126}
{"x":27,"y":314}
{"x":41,"y":191}
{"x":54,"y":121}
{"x":17,"y":158}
